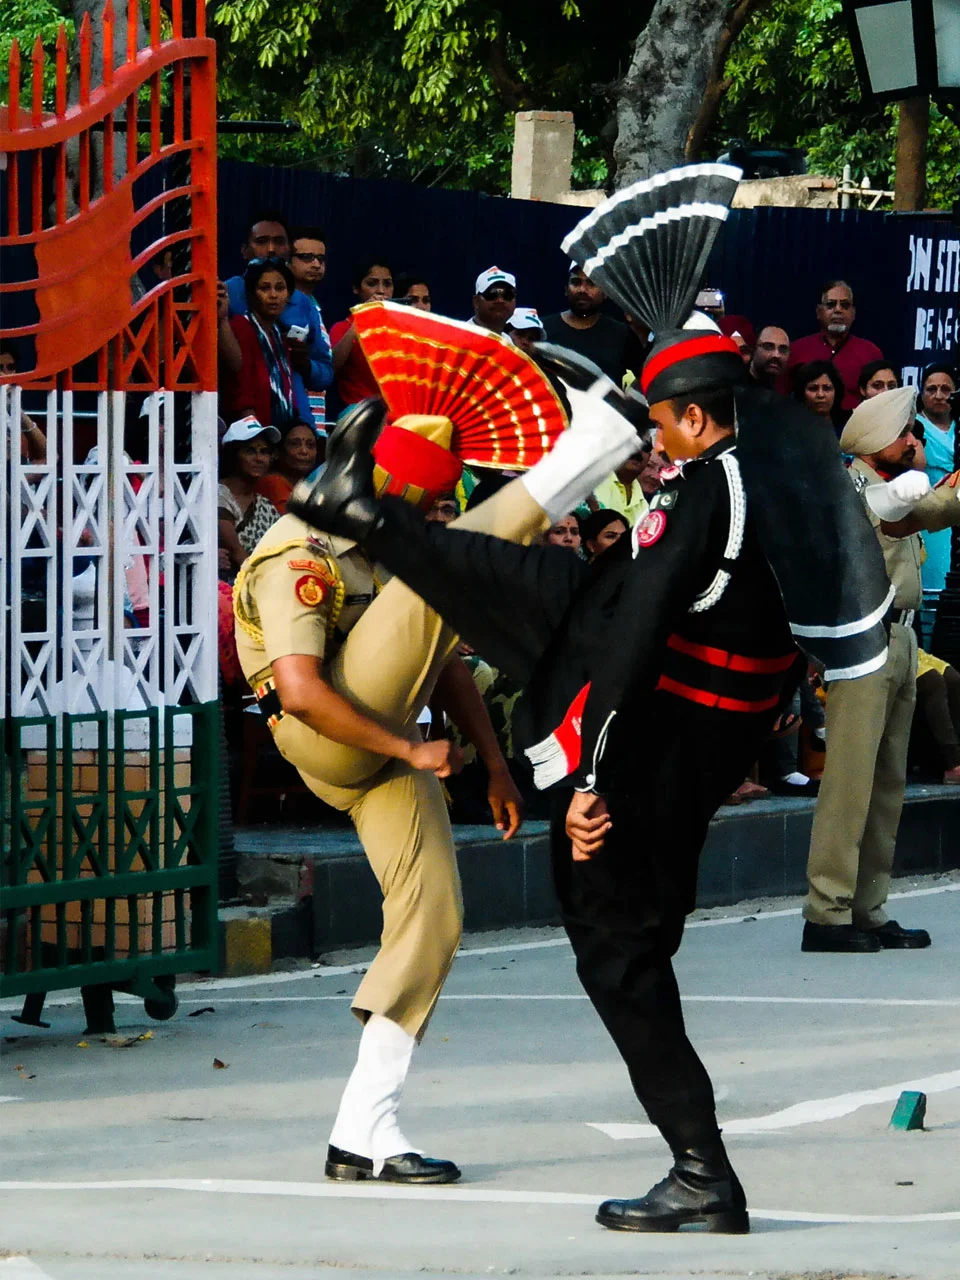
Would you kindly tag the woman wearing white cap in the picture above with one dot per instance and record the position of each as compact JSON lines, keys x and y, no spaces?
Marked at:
{"x":243,"y":515}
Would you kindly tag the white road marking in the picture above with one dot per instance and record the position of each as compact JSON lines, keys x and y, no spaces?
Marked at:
{"x":463,"y":1194}
{"x":12,"y":1004}
{"x":12,"y":1097}
{"x":812,"y":1112}
{"x":448,"y":996}
{"x":22,"y":1269}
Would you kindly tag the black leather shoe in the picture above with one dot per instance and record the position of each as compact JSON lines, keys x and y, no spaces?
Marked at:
{"x":701,"y":1188}
{"x":838,"y":937}
{"x":893,"y":936}
{"x":418,"y":1170}
{"x":409,"y":1168}
{"x":342,"y":500}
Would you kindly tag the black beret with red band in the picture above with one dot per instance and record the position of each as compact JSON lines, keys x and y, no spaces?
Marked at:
{"x":690,"y":360}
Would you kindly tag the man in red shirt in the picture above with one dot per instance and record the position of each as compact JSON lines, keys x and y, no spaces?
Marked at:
{"x":836,"y":314}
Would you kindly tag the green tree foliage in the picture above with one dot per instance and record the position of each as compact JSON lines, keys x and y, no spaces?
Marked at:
{"x":23,"y":21}
{"x":792,"y":83}
{"x":422,"y":89}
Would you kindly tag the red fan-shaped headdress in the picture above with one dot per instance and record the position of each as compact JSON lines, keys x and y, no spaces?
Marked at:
{"x":503,"y":410}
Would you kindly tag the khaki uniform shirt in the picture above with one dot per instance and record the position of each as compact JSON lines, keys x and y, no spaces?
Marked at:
{"x":904,"y":556}
{"x":300,"y":592}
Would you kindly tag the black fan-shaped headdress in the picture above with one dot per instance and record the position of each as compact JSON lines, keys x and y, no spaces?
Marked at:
{"x":647,"y":248}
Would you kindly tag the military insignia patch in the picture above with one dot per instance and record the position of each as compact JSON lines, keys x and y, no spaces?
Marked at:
{"x":860,"y":481}
{"x":649,"y":530}
{"x":310,"y":590}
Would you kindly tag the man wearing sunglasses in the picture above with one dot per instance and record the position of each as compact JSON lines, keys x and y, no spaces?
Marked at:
{"x":495,"y":299}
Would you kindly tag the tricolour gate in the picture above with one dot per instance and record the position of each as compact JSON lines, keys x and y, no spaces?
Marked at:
{"x":108,"y":449}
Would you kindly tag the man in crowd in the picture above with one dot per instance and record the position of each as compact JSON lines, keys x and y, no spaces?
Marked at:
{"x":268,"y":237}
{"x":622,"y":491}
{"x":770,"y":357}
{"x":524,"y":328}
{"x":583,"y":327}
{"x":836,"y":314}
{"x":868,"y":720}
{"x":494,"y":299}
{"x":308,"y":262}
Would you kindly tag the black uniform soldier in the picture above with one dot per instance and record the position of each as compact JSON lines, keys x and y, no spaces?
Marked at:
{"x":675,"y":650}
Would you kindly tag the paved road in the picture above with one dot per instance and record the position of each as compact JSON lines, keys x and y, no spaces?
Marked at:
{"x":147,"y":1163}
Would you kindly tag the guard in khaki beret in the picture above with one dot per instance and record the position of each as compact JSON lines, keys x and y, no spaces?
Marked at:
{"x":342,"y":669}
{"x":868,"y":720}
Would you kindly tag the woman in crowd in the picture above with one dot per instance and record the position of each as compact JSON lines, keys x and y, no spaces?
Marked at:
{"x":875,"y":377}
{"x":565,"y":532}
{"x":297,"y":456}
{"x":243,"y":514}
{"x":600,"y":530}
{"x":243,"y":517}
{"x":372,"y":279}
{"x":266,"y":386}
{"x":818,"y":386}
{"x":937,"y":416}
{"x":411,"y":288}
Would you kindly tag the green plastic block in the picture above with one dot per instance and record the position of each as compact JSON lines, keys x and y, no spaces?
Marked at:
{"x":910,"y":1111}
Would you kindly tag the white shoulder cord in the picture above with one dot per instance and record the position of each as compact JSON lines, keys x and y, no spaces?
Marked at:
{"x":738,"y":519}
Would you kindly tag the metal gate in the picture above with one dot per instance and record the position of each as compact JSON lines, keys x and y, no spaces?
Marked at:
{"x":108,"y":541}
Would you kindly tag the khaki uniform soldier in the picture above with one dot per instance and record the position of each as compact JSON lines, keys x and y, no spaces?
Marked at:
{"x":868,"y":720}
{"x":342,"y":664}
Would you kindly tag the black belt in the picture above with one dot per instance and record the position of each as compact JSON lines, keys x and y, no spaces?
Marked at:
{"x":904,"y":617}
{"x":268,"y":700}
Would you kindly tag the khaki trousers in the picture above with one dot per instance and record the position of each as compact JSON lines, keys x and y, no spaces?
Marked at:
{"x":387,"y":667}
{"x":861,"y":795}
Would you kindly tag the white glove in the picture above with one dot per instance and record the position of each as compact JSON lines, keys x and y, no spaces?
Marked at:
{"x":599,"y":439}
{"x":897,"y":498}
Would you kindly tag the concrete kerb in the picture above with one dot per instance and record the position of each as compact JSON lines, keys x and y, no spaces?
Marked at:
{"x":312,"y":890}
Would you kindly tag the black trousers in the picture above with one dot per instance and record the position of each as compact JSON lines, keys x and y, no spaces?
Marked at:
{"x":624,"y":909}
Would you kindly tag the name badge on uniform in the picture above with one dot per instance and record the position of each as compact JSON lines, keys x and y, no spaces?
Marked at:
{"x":648,"y":530}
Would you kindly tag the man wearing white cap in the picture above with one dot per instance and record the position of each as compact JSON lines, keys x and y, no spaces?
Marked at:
{"x":524,"y":328}
{"x":868,"y":720}
{"x":495,"y":299}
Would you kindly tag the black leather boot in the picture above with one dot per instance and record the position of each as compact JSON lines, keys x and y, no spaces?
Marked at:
{"x":342,"y":500}
{"x":700,"y":1188}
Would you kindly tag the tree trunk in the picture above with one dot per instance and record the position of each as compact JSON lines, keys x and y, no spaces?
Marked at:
{"x":910,"y":183}
{"x":717,"y":83}
{"x":660,"y":97}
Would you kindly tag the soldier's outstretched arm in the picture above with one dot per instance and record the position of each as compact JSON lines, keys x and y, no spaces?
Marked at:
{"x":305,"y":694}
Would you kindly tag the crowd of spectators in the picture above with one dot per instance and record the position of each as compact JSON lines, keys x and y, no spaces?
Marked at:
{"x":285,"y":377}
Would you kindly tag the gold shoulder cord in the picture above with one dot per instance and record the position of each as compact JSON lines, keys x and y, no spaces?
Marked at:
{"x":247,"y":624}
